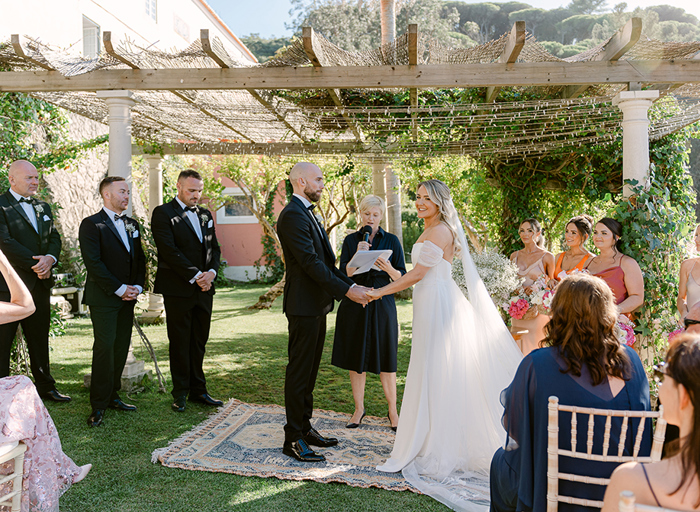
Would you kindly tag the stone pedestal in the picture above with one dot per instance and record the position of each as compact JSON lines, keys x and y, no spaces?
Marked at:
{"x":635,"y":134}
{"x":155,"y":314}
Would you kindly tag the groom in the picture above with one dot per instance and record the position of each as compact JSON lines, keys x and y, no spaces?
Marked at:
{"x":312,"y":283}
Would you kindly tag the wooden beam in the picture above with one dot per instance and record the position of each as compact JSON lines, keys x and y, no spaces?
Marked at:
{"x":17,"y":47}
{"x":107,"y":40}
{"x":109,"y":48}
{"x":259,"y":148}
{"x":307,"y":34}
{"x":619,"y":44}
{"x":412,"y":62}
{"x":211,"y":52}
{"x":360,"y":77}
{"x":510,"y":53}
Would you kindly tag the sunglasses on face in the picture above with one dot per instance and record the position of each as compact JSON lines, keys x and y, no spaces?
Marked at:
{"x":661,"y":371}
{"x":690,"y":321}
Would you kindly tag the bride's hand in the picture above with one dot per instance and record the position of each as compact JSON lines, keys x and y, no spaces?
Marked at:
{"x":373,"y":295}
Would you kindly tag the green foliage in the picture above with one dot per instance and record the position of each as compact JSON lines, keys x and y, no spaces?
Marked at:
{"x":656,"y":220}
{"x":264,"y":48}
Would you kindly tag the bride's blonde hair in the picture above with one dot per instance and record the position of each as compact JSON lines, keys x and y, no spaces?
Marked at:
{"x":439,"y":194}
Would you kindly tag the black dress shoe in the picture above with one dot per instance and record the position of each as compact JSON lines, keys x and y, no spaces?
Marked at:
{"x":313,"y":438}
{"x":355,"y":425}
{"x":179,"y":404}
{"x":96,"y":417}
{"x":301,"y":451}
{"x":55,"y":396}
{"x":205,"y":399}
{"x":118,"y":404}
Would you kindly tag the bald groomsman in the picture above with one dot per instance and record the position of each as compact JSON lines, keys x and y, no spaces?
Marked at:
{"x":32,"y":244}
{"x":110,"y":243}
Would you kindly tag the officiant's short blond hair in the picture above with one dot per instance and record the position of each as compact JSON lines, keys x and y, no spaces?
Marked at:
{"x":371,"y":201}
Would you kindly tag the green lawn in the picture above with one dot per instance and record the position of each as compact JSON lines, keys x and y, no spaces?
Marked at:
{"x":246,"y":357}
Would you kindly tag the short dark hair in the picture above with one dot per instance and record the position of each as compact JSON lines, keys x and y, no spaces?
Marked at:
{"x":189,"y":173}
{"x":107,"y":181}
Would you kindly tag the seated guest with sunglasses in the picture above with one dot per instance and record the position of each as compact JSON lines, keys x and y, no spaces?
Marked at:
{"x":583,"y":363}
{"x":673,"y":482}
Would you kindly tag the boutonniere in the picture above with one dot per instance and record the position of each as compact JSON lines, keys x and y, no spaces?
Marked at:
{"x":203,"y":218}
{"x":38,"y":208}
{"x":319,"y":219}
{"x":129,"y":227}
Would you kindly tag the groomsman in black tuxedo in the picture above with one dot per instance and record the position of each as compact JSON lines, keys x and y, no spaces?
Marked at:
{"x":312,"y":284}
{"x":116,"y":272}
{"x":32,"y":244}
{"x":188,"y":260}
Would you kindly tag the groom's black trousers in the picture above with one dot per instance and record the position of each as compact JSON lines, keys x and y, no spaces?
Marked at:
{"x":306,"y":337}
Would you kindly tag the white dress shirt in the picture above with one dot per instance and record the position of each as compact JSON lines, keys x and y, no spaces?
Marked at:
{"x":31,"y":213}
{"x":121,"y":229}
{"x":307,"y":203}
{"x":192,"y":216}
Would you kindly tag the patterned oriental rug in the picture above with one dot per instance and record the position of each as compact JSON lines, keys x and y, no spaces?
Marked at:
{"x":246,"y":439}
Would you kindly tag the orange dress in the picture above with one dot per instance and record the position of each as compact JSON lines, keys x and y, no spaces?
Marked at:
{"x":560,"y":273}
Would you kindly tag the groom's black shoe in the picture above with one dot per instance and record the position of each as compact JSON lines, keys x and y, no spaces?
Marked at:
{"x":206,"y":399}
{"x":179,"y":404}
{"x":313,"y":438}
{"x":301,"y":451}
{"x":122,"y":406}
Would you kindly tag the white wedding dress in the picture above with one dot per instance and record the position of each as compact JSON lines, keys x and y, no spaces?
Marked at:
{"x":450,"y":421}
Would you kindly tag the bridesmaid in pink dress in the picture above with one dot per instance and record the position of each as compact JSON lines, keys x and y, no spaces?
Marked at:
{"x":689,"y":281}
{"x":620,"y":272}
{"x":48,"y":472}
{"x":533,"y":261}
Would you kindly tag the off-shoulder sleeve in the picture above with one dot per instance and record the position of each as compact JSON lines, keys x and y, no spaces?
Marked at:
{"x":430,"y":254}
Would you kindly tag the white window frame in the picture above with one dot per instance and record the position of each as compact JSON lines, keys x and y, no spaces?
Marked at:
{"x":92,"y":30}
{"x":221,"y":217}
{"x":152,"y":9}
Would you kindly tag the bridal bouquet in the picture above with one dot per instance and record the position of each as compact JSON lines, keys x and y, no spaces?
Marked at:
{"x":624,"y":331}
{"x":527,"y":304}
{"x":499,"y":274}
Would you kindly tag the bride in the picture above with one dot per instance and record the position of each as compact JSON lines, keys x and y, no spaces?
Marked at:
{"x":462,"y":357}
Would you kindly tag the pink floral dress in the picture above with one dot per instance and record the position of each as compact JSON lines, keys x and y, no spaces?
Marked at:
{"x":48,"y":472}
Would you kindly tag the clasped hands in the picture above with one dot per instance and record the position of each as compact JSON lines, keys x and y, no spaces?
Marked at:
{"x":131,"y":293}
{"x":43,"y":267}
{"x":204,"y":281}
{"x":363,"y":295}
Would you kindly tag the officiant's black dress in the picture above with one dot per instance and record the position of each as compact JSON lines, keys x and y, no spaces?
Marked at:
{"x":366,"y":339}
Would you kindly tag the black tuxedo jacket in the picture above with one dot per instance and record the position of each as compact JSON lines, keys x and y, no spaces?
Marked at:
{"x":180,"y":253}
{"x":312,"y":280}
{"x":20,"y":242}
{"x":109,"y":265}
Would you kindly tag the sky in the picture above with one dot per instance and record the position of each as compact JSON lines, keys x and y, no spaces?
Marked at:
{"x":268,"y":17}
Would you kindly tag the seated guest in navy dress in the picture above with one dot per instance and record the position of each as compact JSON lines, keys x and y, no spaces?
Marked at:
{"x":367,"y":338}
{"x":583,"y":364}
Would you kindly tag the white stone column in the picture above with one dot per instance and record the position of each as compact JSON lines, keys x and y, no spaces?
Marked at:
{"x":635,"y":134}
{"x":379,"y":186}
{"x":119,"y":104}
{"x":393,"y":202}
{"x":156,"y":308}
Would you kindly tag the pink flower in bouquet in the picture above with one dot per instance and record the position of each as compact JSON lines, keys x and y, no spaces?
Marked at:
{"x":673,"y":334}
{"x":518,"y":308}
{"x":626,"y":334}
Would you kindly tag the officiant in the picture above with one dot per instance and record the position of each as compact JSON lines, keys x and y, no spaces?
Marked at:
{"x":366,"y":338}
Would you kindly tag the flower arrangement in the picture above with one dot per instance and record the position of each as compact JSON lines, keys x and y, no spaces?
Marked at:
{"x":526,"y":304}
{"x":673,"y":334}
{"x":38,"y":208}
{"x":129,"y":227}
{"x":203,"y":218}
{"x":625,"y":333}
{"x":499,"y":274}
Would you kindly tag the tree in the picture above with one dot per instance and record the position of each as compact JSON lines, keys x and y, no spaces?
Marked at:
{"x":532,"y":17}
{"x":587,"y":6}
{"x":264,"y":49}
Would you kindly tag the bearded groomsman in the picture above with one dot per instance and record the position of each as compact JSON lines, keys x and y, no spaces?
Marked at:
{"x":32,"y":244}
{"x":110,"y":243}
{"x":188,"y":260}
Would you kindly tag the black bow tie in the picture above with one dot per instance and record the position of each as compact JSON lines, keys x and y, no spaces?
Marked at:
{"x":26,"y":200}
{"x":119,"y":217}
{"x":191,"y":209}
{"x":311,"y":207}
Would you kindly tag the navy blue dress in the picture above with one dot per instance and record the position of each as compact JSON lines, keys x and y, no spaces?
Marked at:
{"x":366,"y":339}
{"x":519,"y":476}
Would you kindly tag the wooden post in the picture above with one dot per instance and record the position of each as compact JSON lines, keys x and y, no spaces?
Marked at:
{"x":514,"y":45}
{"x":413,"y":61}
{"x":553,"y":455}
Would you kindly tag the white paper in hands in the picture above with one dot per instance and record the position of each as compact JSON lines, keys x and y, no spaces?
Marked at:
{"x":365,"y":260}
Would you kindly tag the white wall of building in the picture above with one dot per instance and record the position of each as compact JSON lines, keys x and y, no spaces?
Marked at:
{"x":162,"y":24}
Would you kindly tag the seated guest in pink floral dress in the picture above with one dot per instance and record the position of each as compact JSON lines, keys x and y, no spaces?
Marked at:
{"x":48,"y":472}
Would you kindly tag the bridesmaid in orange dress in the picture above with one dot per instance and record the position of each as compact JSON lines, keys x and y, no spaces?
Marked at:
{"x":533,"y":261}
{"x":578,"y":231}
{"x":621,"y":272}
{"x":689,"y":281}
